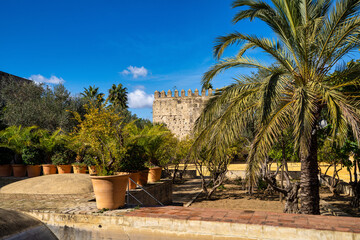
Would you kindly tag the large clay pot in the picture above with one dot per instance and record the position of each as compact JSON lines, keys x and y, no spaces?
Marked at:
{"x":135,"y":177}
{"x":79,"y":169}
{"x":143,"y":177}
{"x":92,"y":170}
{"x":64,"y":169}
{"x":33,"y":170}
{"x":19,"y":170}
{"x":49,"y":169}
{"x":110,"y":190}
{"x":154,"y":174}
{"x":5,"y":170}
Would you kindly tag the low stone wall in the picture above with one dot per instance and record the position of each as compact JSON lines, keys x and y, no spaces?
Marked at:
{"x":186,"y":173}
{"x":235,"y":174}
{"x":188,"y":223}
{"x":162,"y":191}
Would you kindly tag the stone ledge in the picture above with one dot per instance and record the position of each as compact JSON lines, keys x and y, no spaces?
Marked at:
{"x":190,"y":223}
{"x":162,"y":191}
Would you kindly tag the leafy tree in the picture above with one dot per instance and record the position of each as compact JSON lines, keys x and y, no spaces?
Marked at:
{"x":216,"y":165}
{"x":176,"y":156}
{"x":330,"y":152}
{"x":118,"y":96}
{"x":311,"y":37}
{"x":21,"y":101}
{"x":101,"y":130}
{"x":29,"y":104}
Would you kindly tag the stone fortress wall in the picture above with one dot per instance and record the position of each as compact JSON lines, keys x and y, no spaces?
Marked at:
{"x":179,"y":112}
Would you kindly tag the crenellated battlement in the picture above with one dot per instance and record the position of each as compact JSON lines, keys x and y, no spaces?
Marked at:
{"x":179,"y":110}
{"x":169,"y":93}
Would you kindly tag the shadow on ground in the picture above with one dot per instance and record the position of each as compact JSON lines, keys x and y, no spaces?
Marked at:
{"x":8,"y":180}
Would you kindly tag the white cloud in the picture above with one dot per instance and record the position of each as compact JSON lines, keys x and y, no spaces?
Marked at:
{"x":135,"y":71}
{"x":38,"y":78}
{"x":140,"y":99}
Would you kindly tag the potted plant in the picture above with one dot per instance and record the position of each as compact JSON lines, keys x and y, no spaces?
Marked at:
{"x":151,"y":138}
{"x":154,"y":173}
{"x":48,"y":168}
{"x":79,"y":166}
{"x":16,"y":138}
{"x":101,"y":130}
{"x":49,"y":143}
{"x":62,"y":158}
{"x":32,"y":157}
{"x":6,"y":156}
{"x":90,"y":161}
{"x":133,"y":163}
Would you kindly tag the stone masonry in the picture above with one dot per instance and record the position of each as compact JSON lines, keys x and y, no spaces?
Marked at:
{"x":179,"y":113}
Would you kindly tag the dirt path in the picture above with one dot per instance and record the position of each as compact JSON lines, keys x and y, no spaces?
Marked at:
{"x":185,"y":192}
{"x":232,"y":196}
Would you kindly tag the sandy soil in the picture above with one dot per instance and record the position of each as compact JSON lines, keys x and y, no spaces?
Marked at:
{"x":342,"y":202}
{"x":232,"y":196}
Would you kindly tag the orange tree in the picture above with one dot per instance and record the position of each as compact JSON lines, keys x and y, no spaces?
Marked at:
{"x":101,"y":130}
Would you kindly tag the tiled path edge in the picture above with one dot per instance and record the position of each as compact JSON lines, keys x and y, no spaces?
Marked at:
{"x":191,"y":223}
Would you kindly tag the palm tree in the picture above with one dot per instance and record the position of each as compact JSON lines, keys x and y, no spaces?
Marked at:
{"x":312,"y":37}
{"x":92,"y":94}
{"x":152,"y":138}
{"x":17,"y":138}
{"x":118,"y":96}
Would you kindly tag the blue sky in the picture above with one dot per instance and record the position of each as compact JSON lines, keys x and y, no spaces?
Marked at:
{"x":145,"y":45}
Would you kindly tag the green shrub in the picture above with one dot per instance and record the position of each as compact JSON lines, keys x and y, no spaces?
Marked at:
{"x":89,"y":160}
{"x":6,"y":155}
{"x":63,"y":157}
{"x":134,"y":159}
{"x":32,"y":155}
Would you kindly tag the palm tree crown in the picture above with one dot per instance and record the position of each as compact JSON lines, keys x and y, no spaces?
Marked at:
{"x":92,"y":94}
{"x":312,"y":37}
{"x":118,"y":95}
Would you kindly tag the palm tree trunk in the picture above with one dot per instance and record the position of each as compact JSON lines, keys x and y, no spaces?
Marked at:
{"x":309,"y":182}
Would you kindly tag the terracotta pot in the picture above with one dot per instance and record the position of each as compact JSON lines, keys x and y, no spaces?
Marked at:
{"x":143,"y":177}
{"x":49,"y":169}
{"x":79,"y":169}
{"x":19,"y":170}
{"x":110,"y":190}
{"x":33,"y":170}
{"x":135,"y":177}
{"x":64,"y":169}
{"x":92,"y":170}
{"x":131,"y":184}
{"x":154,"y":174}
{"x":5,"y":170}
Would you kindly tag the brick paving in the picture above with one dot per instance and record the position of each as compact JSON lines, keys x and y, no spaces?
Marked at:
{"x":330,"y":223}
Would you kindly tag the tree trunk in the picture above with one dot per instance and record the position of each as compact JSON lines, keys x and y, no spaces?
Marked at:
{"x":309,"y":182}
{"x":291,"y":204}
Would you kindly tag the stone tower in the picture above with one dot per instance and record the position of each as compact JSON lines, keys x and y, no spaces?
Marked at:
{"x":179,"y":112}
